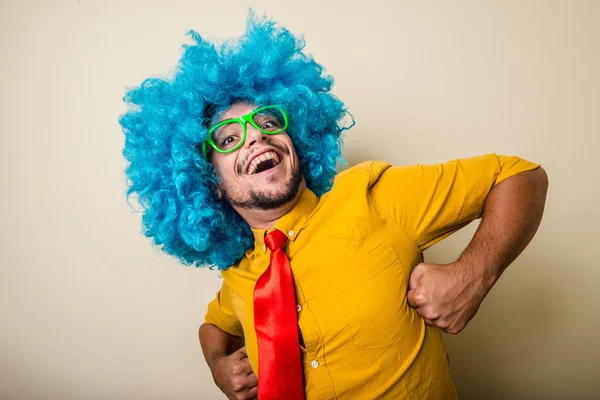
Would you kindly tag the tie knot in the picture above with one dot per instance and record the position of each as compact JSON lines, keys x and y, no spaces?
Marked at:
{"x":275,"y":240}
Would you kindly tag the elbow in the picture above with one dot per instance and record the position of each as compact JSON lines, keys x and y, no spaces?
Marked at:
{"x":542,"y":181}
{"x":202,"y":329}
{"x":538,"y":188}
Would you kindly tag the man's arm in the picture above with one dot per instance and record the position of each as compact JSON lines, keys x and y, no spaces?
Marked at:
{"x":217,"y":343}
{"x":448,"y":296}
{"x":226,"y":357}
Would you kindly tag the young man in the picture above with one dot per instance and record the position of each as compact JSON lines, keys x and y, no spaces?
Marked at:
{"x":325,"y":294}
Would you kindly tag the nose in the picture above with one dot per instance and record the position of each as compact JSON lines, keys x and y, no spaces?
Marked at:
{"x":254,"y":136}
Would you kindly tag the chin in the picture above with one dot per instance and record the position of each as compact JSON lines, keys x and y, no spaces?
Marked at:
{"x":266,"y":195}
{"x":278,"y":193}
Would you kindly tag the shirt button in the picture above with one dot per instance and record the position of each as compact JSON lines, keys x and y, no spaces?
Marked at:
{"x":291,"y":233}
{"x":298,"y":307}
{"x":314,"y":364}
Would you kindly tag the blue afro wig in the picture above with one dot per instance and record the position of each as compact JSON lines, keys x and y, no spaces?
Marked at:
{"x":166,"y":121}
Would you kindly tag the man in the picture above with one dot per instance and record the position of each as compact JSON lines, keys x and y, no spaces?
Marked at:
{"x":329,"y":297}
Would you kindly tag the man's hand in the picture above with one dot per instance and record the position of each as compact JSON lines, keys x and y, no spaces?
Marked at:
{"x":234,"y":376}
{"x":446,"y":296}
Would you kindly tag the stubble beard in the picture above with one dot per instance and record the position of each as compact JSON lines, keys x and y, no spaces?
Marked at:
{"x":267,"y":201}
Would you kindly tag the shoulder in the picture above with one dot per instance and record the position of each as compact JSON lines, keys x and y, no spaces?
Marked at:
{"x":363,"y":174}
{"x":354,"y":183}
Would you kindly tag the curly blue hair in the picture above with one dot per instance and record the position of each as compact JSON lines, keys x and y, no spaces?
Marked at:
{"x":167,"y":119}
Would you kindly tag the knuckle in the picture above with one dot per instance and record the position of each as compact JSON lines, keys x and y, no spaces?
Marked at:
{"x":413,"y":300}
{"x":456,"y":329}
{"x":443,"y":324}
{"x":430,"y":313}
{"x":236,"y":386}
{"x":420,"y":298}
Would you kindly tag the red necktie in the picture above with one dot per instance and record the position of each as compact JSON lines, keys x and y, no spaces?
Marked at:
{"x":276,"y":326}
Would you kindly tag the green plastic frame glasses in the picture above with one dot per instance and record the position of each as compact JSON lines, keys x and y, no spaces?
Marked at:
{"x":232,"y":142}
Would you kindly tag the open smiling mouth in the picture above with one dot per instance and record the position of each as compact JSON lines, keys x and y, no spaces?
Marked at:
{"x":264,"y":162}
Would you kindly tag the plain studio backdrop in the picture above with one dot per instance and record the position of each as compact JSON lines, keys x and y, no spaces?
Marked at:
{"x":89,"y":309}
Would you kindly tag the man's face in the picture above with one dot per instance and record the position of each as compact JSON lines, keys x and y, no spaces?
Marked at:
{"x":264,"y":173}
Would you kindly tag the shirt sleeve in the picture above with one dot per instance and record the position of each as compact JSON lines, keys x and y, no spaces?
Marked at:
{"x":220,"y":313}
{"x":430,"y":202}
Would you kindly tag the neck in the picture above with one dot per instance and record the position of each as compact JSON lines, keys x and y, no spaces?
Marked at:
{"x":266,"y":219}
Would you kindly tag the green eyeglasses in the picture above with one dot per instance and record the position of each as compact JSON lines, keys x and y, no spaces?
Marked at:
{"x":230,"y":134}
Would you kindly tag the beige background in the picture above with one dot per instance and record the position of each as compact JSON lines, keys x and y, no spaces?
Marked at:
{"x":89,"y":310}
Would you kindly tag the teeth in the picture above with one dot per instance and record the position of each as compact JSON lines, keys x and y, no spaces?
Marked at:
{"x":263,"y":157}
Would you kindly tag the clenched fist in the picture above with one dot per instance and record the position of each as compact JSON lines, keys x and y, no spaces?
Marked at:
{"x":234,"y":376}
{"x":446,"y":296}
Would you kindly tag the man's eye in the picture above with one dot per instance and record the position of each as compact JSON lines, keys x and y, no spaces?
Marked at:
{"x":228,"y":140}
{"x":270,"y":125}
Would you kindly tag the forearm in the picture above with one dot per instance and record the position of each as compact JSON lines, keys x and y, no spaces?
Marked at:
{"x":511,"y":216}
{"x":217,"y":343}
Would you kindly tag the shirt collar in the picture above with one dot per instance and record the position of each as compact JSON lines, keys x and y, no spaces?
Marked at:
{"x":291,"y":223}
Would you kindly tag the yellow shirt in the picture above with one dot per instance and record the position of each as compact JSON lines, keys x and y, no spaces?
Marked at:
{"x":351,"y":253}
